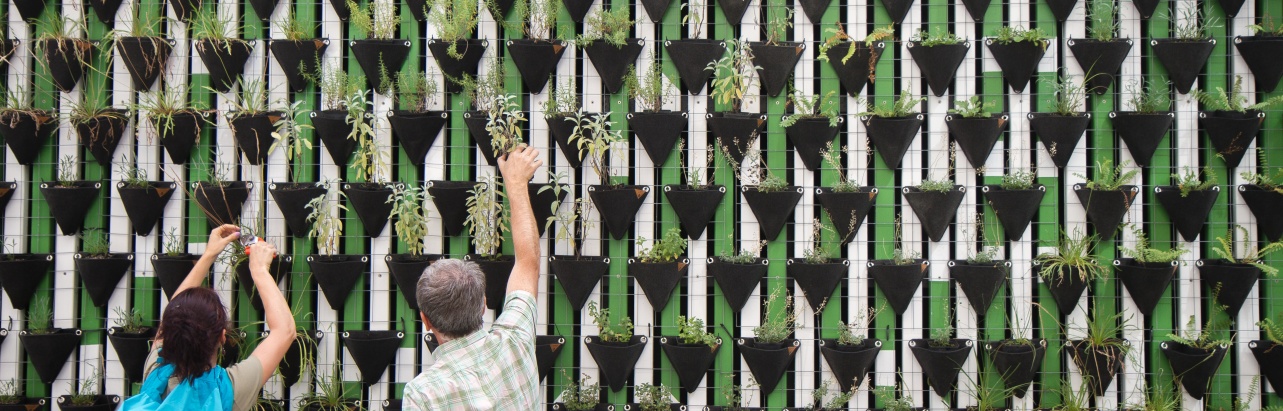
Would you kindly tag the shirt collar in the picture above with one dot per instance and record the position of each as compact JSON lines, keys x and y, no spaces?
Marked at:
{"x":458,"y":344}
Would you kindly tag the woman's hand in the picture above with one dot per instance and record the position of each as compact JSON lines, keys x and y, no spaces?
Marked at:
{"x":220,"y":237}
{"x":260,"y":256}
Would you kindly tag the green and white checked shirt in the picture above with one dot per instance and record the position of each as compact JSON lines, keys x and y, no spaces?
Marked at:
{"x":487,"y":370}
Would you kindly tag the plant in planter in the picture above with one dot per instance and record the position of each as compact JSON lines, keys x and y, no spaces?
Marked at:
{"x":659,"y":267}
{"x":818,"y":273}
{"x":144,"y":200}
{"x":617,"y":202}
{"x":25,"y":128}
{"x":13,"y":398}
{"x":68,"y":198}
{"x":176,"y":121}
{"x":941,"y":356}
{"x":66,"y":58}
{"x":820,"y":399}
{"x":299,"y":53}
{"x":1102,"y":53}
{"x":1235,"y":271}
{"x":99,"y":126}
{"x":938,"y":54}
{"x":1184,"y":54}
{"x":98,"y":268}
{"x":409,"y":217}
{"x":1068,"y":272}
{"x":576,"y":273}
{"x":737,"y":274}
{"x":580,"y":395}
{"x":292,"y":196}
{"x":988,"y":392}
{"x":893,"y":400}
{"x":330,"y":394}
{"x":852,"y":353}
{"x":982,"y":274}
{"x":812,"y":125}
{"x":224,"y":55}
{"x":771,"y":351}
{"x":487,"y":220}
{"x":847,"y":203}
{"x":537,"y":55}
{"x":1144,"y":127}
{"x":253,"y":122}
{"x":768,"y":195}
{"x":1147,"y":271}
{"x":892,"y":127}
{"x":697,"y":200}
{"x":656,"y":128}
{"x":1260,"y":50}
{"x":1267,"y":350}
{"x":1195,"y":355}
{"x":503,"y":127}
{"x":342,"y":100}
{"x":380,"y":53}
{"x":1101,"y":354}
{"x":131,"y":338}
{"x":691,"y":351}
{"x":1263,"y":193}
{"x":854,"y":61}
{"x":733,"y":73}
{"x":335,"y":274}
{"x":1017,"y":360}
{"x":899,"y":277}
{"x":414,"y":125}
{"x":562,"y":112}
{"x":693,"y":55}
{"x":1060,"y":129}
{"x":457,"y":54}
{"x":1108,"y":197}
{"x":143,"y":53}
{"x":47,"y":348}
{"x":615,"y":348}
{"x":935,"y":202}
{"x":84,"y":395}
{"x":1018,"y":51}
{"x":775,"y":58}
{"x":173,"y":263}
{"x":606,"y":42}
{"x":220,"y":197}
{"x":975,"y":129}
{"x":1229,"y":122}
{"x":1190,"y":200}
{"x":653,"y":397}
{"x":370,"y":164}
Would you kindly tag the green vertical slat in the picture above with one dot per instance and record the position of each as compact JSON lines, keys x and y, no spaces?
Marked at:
{"x":1271,"y":288}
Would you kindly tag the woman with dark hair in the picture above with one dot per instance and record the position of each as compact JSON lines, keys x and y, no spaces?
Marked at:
{"x":183,"y":375}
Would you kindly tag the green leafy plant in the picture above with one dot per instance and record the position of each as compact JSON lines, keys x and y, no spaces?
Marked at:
{"x":777,"y":327}
{"x":988,"y":391}
{"x":893,"y":399}
{"x":699,"y":178}
{"x":130,"y":321}
{"x":1018,"y":180}
{"x":563,"y":97}
{"x":1143,"y":253}
{"x":903,"y":106}
{"x":1225,"y":249}
{"x":816,"y":252}
{"x":812,"y":106}
{"x":68,"y":171}
{"x":253,"y":99}
{"x":1018,"y":34}
{"x":409,"y":216}
{"x":288,"y":136}
{"x":778,"y":21}
{"x":454,"y":20}
{"x":834,"y":159}
{"x":611,"y":26}
{"x":535,"y":18}
{"x":173,"y":243}
{"x":93,"y":106}
{"x":131,"y":174}
{"x":294,"y":29}
{"x":1074,"y":255}
{"x":415,"y":91}
{"x":596,"y":142}
{"x":1104,"y":20}
{"x":504,"y":124}
{"x":835,"y":402}
{"x":988,"y":252}
{"x":1203,"y":339}
{"x":746,"y":255}
{"x":1193,"y":25}
{"x":1273,"y":330}
{"x":580,"y":395}
{"x":1073,"y":399}
{"x":847,"y":331}
{"x":85,"y":392}
{"x":1069,"y":95}
{"x":838,"y":35}
{"x":336,"y":84}
{"x":1189,"y":181}
{"x":572,"y":220}
{"x":1153,"y":97}
{"x":209,"y":24}
{"x":691,"y":331}
{"x":654,"y":397}
{"x":1267,"y":27}
{"x":1263,"y":178}
{"x":367,"y":159}
{"x":1159,"y":397}
{"x":649,"y":89}
{"x":972,"y":108}
{"x":666,"y":249}
{"x":938,"y":37}
{"x":326,"y":220}
{"x":1110,"y":178}
{"x":1103,"y":331}
{"x":1234,"y":100}
{"x":10,"y":392}
{"x":166,"y":102}
{"x":94,"y":243}
{"x":900,"y":256}
{"x":484,"y":90}
{"x":757,"y":174}
{"x":694,"y":17}
{"x":942,"y":335}
{"x":936,"y":186}
{"x":379,"y":20}
{"x":487,"y":217}
{"x":609,"y":331}
{"x":733,"y":75}
{"x":330,"y":394}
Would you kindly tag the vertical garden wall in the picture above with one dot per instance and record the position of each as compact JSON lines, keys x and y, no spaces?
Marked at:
{"x":932,"y":216}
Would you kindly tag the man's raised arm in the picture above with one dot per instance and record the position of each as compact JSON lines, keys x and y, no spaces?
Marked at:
{"x":517,"y":168}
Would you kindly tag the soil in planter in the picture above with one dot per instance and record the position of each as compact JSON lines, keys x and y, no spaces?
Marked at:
{"x":221,"y":204}
{"x":1234,"y":280}
{"x":850,"y":363}
{"x":692,"y":56}
{"x":101,"y":134}
{"x":370,"y":201}
{"x":67,"y":60}
{"x":536,"y":60}
{"x":333,"y":129}
{"x":810,"y":137}
{"x":980,"y":282}
{"x":68,"y":204}
{"x":976,"y":136}
{"x":734,"y":131}
{"x":1264,"y":205}
{"x":767,"y":362}
{"x":1059,"y":134}
{"x":658,"y":132}
{"x":657,"y":280}
{"x":1018,"y":60}
{"x":1145,"y":282}
{"x":618,"y":206}
{"x":25,"y":132}
{"x":1231,"y":132}
{"x":253,"y":134}
{"x":775,"y":64}
{"x":1106,"y":208}
{"x":101,"y":275}
{"x":941,"y":364}
{"x":406,"y":270}
{"x":1100,"y":363}
{"x":1100,"y":59}
{"x":817,"y":281}
{"x":145,"y":58}
{"x":1066,"y":289}
{"x":694,"y":207}
{"x":373,"y":351}
{"x":171,"y":270}
{"x":292,"y":199}
{"x":898,"y":283}
{"x":451,"y":198}
{"x":691,"y":361}
{"x":1142,"y":132}
{"x":846,"y":210}
{"x":178,"y":134}
{"x":144,"y":205}
{"x":1189,"y":212}
{"x":415,"y":132}
{"x":857,"y":71}
{"x":1270,"y":357}
{"x":132,"y":350}
{"x":578,"y":276}
{"x":48,"y":353}
{"x":1261,"y":53}
{"x":939,"y":64}
{"x":1017,"y":363}
{"x":297,"y":57}
{"x":470,"y":52}
{"x":225,"y":61}
{"x":497,"y":271}
{"x":335,"y":275}
{"x":1193,"y":367}
{"x":737,"y":281}
{"x":616,"y":361}
{"x":371,"y":54}
{"x":1014,"y":208}
{"x":891,"y":136}
{"x":934,"y":209}
{"x":612,"y":62}
{"x":21,"y":275}
{"x":1183,"y":59}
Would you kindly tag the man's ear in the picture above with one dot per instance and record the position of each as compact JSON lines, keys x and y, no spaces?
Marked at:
{"x":426,"y":324}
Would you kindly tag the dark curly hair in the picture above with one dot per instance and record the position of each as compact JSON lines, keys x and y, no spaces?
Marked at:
{"x":191,"y":328}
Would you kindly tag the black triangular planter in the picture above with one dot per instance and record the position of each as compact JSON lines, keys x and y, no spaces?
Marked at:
{"x":941,"y":365}
{"x":1146,"y":8}
{"x":145,"y":58}
{"x":850,"y":363}
{"x":891,"y":136}
{"x":1061,"y":8}
{"x":976,"y":136}
{"x":773,"y":209}
{"x":846,"y":210}
{"x":253,"y":133}
{"x":145,"y":205}
{"x":21,"y":275}
{"x":132,"y":350}
{"x":29,"y":9}
{"x":1183,"y":59}
{"x":616,"y":361}
{"x":1018,"y":60}
{"x":1235,"y":280}
{"x":856,"y":72}
{"x":1106,"y":209}
{"x":185,"y":9}
{"x":547,"y":348}
{"x":612,"y":61}
{"x":734,"y":131}
{"x":6,"y":49}
{"x":497,"y":271}
{"x":1100,"y":363}
{"x":561,"y":127}
{"x":657,"y":280}
{"x":297,"y":57}
{"x":810,"y":137}
{"x":221,"y":204}
{"x":618,"y":206}
{"x":7,"y":188}
{"x":578,"y":276}
{"x":658,"y":132}
{"x":767,"y":362}
{"x":100,"y":403}
{"x":1261,"y":53}
{"x":1193,"y":367}
{"x":691,"y":57}
{"x":335,"y":275}
{"x":503,"y":7}
{"x":69,"y":204}
{"x":333,"y":129}
{"x":542,"y":200}
{"x":279,"y":267}
{"x":292,"y":199}
{"x":25,"y":132}
{"x":291,"y":367}
{"x":578,"y":9}
{"x":100,"y":275}
{"x":737,"y":281}
{"x":1101,"y":60}
{"x":817,"y":281}
{"x":179,"y":133}
{"x":476,"y":121}
{"x":406,"y":270}
{"x":451,"y":199}
{"x":101,"y":134}
{"x":263,"y":8}
{"x":1270,"y":357}
{"x":470,"y":51}
{"x":1231,"y":132}
{"x":733,"y":10}
{"x":1014,"y":208}
{"x":1188,"y":213}
{"x":341,"y":9}
{"x":691,"y":361}
{"x":172,"y":270}
{"x":1066,"y":289}
{"x":49,"y":352}
{"x":775,"y":63}
{"x":370,"y":201}
{"x":934,"y":209}
{"x":1142,"y":132}
{"x":898,"y":283}
{"x":977,"y":8}
{"x":535,"y":60}
{"x":814,"y":10}
{"x":1059,"y":134}
{"x":1231,"y":7}
{"x":225,"y":61}
{"x":656,"y":9}
{"x":694,"y":208}
{"x":371,"y":54}
{"x":373,"y":351}
{"x":897,"y":9}
{"x":416,"y":131}
{"x":67,"y":60}
{"x":1145,"y":282}
{"x":980,"y":282}
{"x":939,"y":64}
{"x":1017,"y":363}
{"x":1264,"y":205}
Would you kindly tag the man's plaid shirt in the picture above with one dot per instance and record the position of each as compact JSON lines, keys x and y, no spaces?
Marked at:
{"x":486,"y":370}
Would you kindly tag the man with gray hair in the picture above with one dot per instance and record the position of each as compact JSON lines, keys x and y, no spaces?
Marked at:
{"x":477,"y":369}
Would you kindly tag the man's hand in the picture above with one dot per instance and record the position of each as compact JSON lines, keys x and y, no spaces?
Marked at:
{"x":520,"y":164}
{"x":220,"y":237}
{"x":260,"y":256}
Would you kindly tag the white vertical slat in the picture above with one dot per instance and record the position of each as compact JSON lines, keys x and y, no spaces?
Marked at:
{"x":120,"y":233}
{"x":857,"y":167}
{"x":698,"y":250}
{"x":748,"y":228}
{"x":913,"y":238}
{"x":1248,"y":368}
{"x":805,"y":362}
{"x":327,"y":319}
{"x":17,"y":211}
{"x":66,"y":296}
{"x":635,"y":161}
